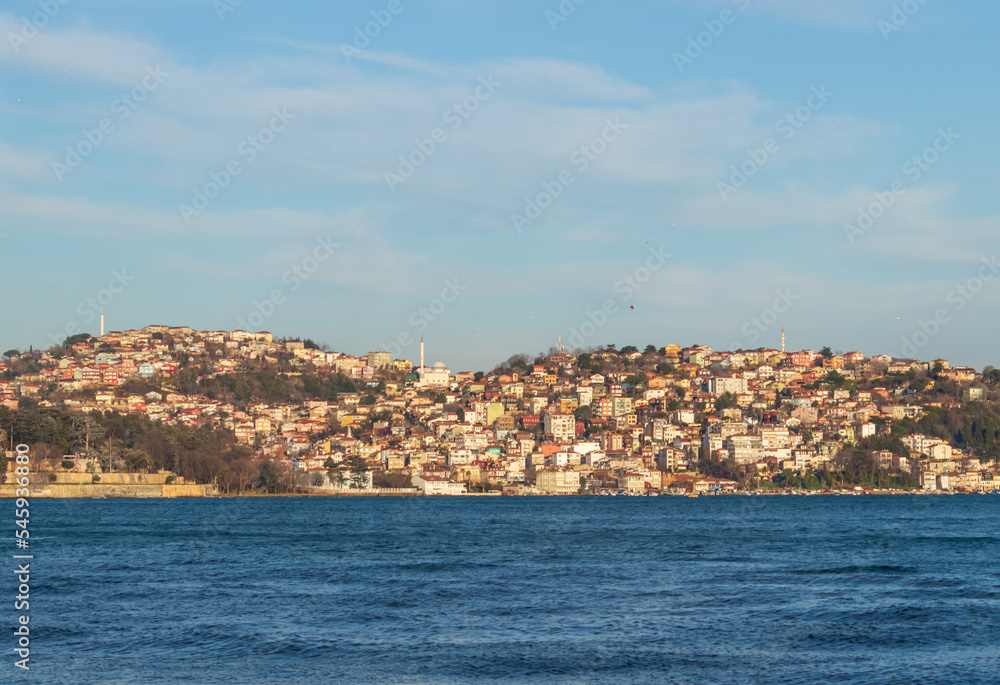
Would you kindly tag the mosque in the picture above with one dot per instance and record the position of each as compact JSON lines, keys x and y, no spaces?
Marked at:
{"x":437,"y":376}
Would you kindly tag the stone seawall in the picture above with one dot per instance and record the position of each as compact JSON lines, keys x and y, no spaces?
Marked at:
{"x":102,"y":490}
{"x":114,"y":478}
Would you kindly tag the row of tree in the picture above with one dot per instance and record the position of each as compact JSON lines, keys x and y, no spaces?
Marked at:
{"x":850,"y":468}
{"x":974,"y":428}
{"x":122,"y":442}
{"x":128,"y":443}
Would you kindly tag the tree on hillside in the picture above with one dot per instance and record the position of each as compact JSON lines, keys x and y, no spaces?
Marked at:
{"x":358,"y":468}
{"x":78,"y":338}
{"x":267,"y":477}
{"x":836,"y":379}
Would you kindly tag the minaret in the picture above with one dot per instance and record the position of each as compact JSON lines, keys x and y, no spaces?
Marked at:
{"x":421,"y":355}
{"x":782,"y":339}
{"x":102,"y":323}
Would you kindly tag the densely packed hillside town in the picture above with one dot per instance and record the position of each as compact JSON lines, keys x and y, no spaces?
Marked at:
{"x":295,"y":416}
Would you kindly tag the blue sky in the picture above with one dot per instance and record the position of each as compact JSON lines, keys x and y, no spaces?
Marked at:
{"x":185,"y":88}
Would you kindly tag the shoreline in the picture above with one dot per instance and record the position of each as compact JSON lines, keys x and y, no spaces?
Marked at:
{"x":147,"y":495}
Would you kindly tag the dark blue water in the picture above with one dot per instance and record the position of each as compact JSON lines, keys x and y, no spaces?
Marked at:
{"x":520,"y":590}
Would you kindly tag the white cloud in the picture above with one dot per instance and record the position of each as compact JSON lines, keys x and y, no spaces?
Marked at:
{"x":843,"y":13}
{"x":83,"y":53}
{"x":23,"y":165}
{"x":352,"y":123}
{"x":854,"y":14}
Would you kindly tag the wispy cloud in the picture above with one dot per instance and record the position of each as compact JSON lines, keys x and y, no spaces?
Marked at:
{"x":853,"y":14}
{"x":88,"y":54}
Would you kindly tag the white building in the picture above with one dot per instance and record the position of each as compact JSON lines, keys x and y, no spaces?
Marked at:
{"x":435,"y":485}
{"x":562,"y":427}
{"x":723,"y":384}
{"x":558,"y":482}
{"x":379,"y":360}
{"x":437,"y":376}
{"x":941,"y":451}
{"x":774,"y":437}
{"x":745,"y":449}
